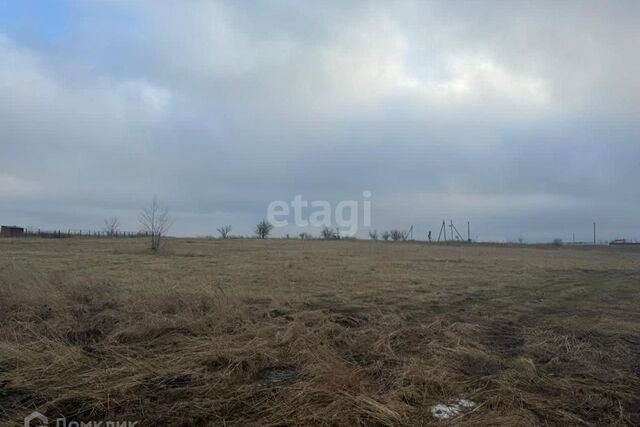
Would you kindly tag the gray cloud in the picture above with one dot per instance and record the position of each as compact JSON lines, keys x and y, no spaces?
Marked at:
{"x":521,"y":117}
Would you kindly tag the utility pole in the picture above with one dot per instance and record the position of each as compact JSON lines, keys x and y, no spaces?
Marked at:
{"x":594,"y":233}
{"x":451,"y":229}
{"x":468,"y":232}
{"x":443,"y":228}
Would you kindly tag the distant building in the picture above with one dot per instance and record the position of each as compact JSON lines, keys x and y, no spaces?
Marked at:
{"x":623,"y":242}
{"x":11,"y":231}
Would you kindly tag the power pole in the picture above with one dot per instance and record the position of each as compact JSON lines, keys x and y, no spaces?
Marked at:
{"x":457,"y":233}
{"x":468,"y":232}
{"x":451,"y":229}
{"x":594,"y":233}
{"x":443,"y":227}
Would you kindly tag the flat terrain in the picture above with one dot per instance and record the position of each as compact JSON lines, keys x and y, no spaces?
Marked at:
{"x":276,"y":332}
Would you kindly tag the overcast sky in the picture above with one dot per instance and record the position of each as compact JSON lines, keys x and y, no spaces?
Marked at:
{"x":522,"y":117}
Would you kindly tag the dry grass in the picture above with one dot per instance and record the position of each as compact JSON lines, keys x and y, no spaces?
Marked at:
{"x":252,"y":332}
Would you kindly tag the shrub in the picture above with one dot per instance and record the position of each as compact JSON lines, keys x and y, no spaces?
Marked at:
{"x":330,"y":234}
{"x":398,"y":235}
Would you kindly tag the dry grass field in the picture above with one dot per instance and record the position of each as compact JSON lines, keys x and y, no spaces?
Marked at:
{"x":276,"y":333}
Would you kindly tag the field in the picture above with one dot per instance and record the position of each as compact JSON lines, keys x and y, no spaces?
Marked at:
{"x":287,"y":332}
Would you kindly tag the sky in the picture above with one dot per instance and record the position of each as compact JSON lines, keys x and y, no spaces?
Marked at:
{"x":520,"y":117}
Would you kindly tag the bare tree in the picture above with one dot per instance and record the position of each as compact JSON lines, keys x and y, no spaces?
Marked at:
{"x":155,"y":221}
{"x":373,"y":234}
{"x":398,"y":235}
{"x":386,"y":235}
{"x":329,"y":234}
{"x":305,"y":236}
{"x":263,"y":229}
{"x":111,"y":226}
{"x":224,"y":231}
{"x":326,"y":233}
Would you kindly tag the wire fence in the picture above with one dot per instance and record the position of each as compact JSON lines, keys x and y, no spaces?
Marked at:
{"x":63,"y":234}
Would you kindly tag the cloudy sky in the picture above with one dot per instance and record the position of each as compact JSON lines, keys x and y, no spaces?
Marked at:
{"x":522,"y":117}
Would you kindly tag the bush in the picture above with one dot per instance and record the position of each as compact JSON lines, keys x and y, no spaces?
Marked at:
{"x":329,"y":234}
{"x":398,"y":235}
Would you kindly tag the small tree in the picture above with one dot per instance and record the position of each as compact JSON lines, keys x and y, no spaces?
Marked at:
{"x":155,"y":221}
{"x":305,"y":236}
{"x":330,"y":234}
{"x":263,"y":229}
{"x":398,"y":235}
{"x":224,"y":231}
{"x":557,"y":242}
{"x":373,"y":234}
{"x":111,"y":226}
{"x":521,"y":240}
{"x":326,"y":233}
{"x":386,"y":235}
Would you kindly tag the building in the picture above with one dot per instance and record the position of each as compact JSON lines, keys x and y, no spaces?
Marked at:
{"x":11,"y":231}
{"x":623,"y":242}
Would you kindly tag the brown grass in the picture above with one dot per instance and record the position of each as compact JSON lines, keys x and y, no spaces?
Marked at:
{"x":251,"y":332}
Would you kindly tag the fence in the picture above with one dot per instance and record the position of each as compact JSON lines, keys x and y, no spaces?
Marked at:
{"x":62,"y":234}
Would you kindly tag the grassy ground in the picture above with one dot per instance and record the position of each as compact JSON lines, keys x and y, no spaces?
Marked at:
{"x":247,"y":332}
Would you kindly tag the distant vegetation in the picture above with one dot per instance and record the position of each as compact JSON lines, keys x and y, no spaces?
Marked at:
{"x":111,"y":226}
{"x":263,"y":229}
{"x":330,"y":234}
{"x":224,"y":231}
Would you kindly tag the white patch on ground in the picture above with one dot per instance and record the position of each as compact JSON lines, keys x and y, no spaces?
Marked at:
{"x":444,"y":412}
